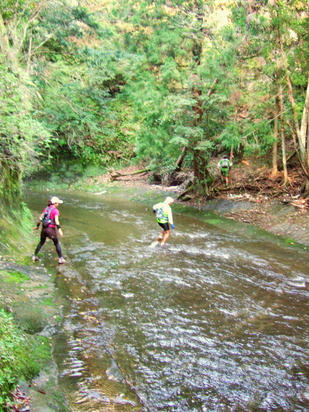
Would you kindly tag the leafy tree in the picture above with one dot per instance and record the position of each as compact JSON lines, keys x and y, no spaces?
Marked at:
{"x":168,"y":82}
{"x":169,"y":89}
{"x":18,"y":130}
{"x":278,"y":49}
{"x":59,"y":107}
{"x":78,"y":80}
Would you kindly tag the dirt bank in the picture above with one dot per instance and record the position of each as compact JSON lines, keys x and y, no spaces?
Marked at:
{"x":254,"y":197}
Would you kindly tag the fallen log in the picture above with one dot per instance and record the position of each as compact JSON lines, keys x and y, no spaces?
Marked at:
{"x":115,"y":175}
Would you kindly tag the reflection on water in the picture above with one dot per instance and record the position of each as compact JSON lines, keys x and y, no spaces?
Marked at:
{"x":216,"y":321}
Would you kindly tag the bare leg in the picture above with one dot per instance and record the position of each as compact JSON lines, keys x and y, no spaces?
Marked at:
{"x":161,"y":236}
{"x":165,"y":237}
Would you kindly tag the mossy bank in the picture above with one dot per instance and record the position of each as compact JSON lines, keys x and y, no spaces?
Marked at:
{"x":28,"y":318}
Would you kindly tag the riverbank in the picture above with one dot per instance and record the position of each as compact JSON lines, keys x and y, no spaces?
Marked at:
{"x":28,"y":319}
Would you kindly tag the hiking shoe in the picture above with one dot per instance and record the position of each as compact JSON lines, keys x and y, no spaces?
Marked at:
{"x":35,"y":259}
{"x":61,"y":260}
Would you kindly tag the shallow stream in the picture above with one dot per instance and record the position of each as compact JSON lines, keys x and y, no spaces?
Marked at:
{"x":215,"y":321}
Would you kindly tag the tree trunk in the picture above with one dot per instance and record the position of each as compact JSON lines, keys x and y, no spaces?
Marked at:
{"x":305,"y":188}
{"x":213,"y":87}
{"x":180,"y":160}
{"x":274,"y":171}
{"x":304,"y":130}
{"x":201,"y":174}
{"x":284,"y":163}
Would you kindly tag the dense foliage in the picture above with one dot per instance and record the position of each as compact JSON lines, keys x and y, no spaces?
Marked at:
{"x":166,"y":82}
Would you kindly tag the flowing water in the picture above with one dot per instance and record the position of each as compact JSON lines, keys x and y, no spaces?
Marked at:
{"x":215,"y":321}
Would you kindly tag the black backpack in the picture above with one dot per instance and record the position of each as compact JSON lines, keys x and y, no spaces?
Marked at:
{"x":46,"y":220}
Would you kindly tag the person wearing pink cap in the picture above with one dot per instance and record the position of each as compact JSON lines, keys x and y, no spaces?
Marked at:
{"x":50,"y":224}
{"x":164,"y":217}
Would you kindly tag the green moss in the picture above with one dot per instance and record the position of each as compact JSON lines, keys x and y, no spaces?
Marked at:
{"x":30,"y":317}
{"x":214,"y":221}
{"x":48,"y":302}
{"x":289,"y":241}
{"x":15,"y":227}
{"x":13,"y":276}
{"x":22,"y":356}
{"x":41,"y":346}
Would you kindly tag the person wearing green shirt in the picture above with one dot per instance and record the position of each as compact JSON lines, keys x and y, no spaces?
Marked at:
{"x":164,"y":217}
{"x":224,"y":168}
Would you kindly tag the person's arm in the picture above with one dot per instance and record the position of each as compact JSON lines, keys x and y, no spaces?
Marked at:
{"x":170,"y":216}
{"x":157,"y":206}
{"x":39,"y":222}
{"x":58,"y":225}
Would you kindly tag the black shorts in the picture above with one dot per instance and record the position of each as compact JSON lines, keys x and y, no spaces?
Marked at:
{"x":165,"y":226}
{"x":49,"y":232}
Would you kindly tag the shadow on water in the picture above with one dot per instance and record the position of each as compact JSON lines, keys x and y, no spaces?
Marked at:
{"x":216,"y":321}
